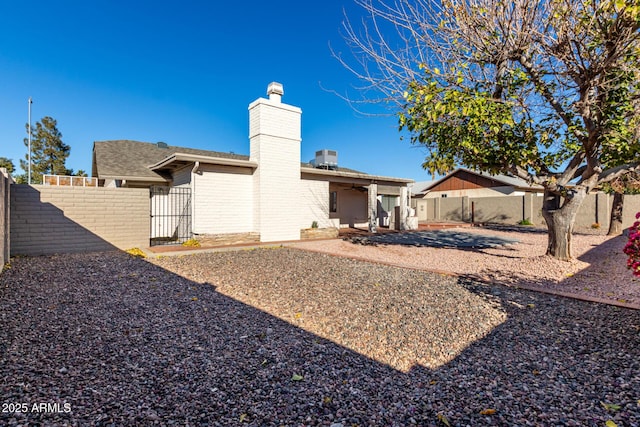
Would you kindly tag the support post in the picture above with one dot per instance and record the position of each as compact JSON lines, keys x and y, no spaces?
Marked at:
{"x":404,"y":211}
{"x":372,"y":208}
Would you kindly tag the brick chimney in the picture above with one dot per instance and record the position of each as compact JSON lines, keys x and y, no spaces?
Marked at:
{"x":275,"y":136}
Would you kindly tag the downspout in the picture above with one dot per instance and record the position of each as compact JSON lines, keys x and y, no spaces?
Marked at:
{"x":194,"y":171}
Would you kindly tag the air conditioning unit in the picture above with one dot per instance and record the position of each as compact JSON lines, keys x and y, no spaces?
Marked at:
{"x":326,"y":159}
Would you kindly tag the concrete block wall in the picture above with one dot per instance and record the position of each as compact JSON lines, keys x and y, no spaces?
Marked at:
{"x":5,"y":182}
{"x":47,"y":220}
{"x":508,"y":210}
{"x":596,"y":208}
{"x":631,"y":208}
{"x":453,"y":208}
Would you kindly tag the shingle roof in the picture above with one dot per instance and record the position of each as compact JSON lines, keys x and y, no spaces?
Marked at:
{"x":126,"y":158}
{"x":506,"y":179}
{"x":510,"y":180}
{"x":310,"y":166}
{"x":419,"y":187}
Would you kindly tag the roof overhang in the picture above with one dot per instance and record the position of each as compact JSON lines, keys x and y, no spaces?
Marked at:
{"x":517,"y":186}
{"x":178,"y":160}
{"x":134,"y":178}
{"x":348,"y":176}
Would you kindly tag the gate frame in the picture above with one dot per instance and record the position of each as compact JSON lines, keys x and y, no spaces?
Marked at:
{"x":177,"y":219}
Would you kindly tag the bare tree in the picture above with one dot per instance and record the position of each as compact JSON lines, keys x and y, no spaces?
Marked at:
{"x":543,"y":90}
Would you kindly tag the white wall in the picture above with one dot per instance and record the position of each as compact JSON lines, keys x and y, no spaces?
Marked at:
{"x":314,"y":203}
{"x":352,"y":206}
{"x":222,"y":200}
{"x":275,"y":135}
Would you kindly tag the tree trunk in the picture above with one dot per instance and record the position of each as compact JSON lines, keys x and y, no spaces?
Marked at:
{"x":560,"y":216}
{"x":615,"y":223}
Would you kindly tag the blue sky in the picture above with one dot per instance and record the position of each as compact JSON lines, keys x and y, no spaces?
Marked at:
{"x":184,"y":73}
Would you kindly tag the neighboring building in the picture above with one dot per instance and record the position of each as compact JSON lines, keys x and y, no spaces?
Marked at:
{"x":418,"y":189}
{"x":468,"y":183}
{"x":269,"y":193}
{"x":466,"y":195}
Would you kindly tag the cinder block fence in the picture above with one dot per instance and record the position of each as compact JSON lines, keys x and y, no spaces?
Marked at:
{"x":5,"y":181}
{"x":596,"y":209}
{"x":46,"y":220}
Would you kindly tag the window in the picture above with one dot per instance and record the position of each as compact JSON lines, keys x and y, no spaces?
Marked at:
{"x":443,"y":196}
{"x":388,"y":202}
{"x":333,"y":201}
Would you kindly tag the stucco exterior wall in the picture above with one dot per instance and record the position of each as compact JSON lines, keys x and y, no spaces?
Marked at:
{"x":222,"y":200}
{"x":47,"y":220}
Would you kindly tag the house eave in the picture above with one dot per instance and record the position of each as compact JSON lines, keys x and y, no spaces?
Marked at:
{"x":531,"y":188}
{"x":134,"y":178}
{"x":355,"y":175}
{"x":181,"y":158}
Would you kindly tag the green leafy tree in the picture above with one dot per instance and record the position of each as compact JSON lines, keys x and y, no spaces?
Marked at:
{"x":621,"y":138}
{"x":7,"y":164}
{"x":540,"y":90}
{"x":48,"y":152}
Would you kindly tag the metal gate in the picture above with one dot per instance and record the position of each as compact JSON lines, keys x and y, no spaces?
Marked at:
{"x":170,"y":215}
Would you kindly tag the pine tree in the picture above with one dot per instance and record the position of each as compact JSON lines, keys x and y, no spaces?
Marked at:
{"x":48,"y":152}
{"x":7,"y":164}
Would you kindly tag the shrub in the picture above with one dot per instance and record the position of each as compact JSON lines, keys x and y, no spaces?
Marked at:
{"x":525,"y":221}
{"x":136,"y":252}
{"x":632,"y":248}
{"x":194,"y":243}
{"x":595,"y":225}
{"x":314,"y":224}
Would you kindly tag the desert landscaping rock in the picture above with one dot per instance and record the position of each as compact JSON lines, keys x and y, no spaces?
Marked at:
{"x":516,"y":257}
{"x":280,"y":336}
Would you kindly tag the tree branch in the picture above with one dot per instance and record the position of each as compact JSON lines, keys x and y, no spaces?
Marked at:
{"x":618,"y":171}
{"x":548,"y":95}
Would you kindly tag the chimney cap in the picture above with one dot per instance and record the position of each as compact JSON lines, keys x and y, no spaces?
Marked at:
{"x":276,"y":89}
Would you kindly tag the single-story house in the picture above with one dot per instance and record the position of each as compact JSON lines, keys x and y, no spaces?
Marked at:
{"x":468,"y":183}
{"x":269,"y":193}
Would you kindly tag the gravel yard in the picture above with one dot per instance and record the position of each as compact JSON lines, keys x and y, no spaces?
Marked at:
{"x":287,"y":337}
{"x":598,"y":269}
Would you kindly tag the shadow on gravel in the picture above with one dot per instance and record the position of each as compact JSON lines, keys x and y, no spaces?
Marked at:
{"x":595,"y":281}
{"x":436,"y":239}
{"x":125,"y":342}
{"x":604,"y":259}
